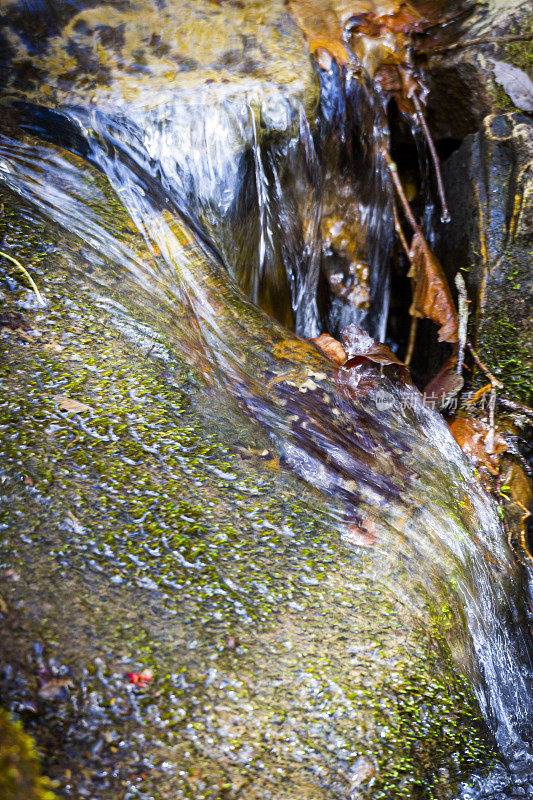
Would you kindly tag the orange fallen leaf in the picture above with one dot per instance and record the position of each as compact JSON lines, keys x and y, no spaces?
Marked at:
{"x":431,"y":294}
{"x":69,"y":404}
{"x":332,"y":348}
{"x":479,"y":441}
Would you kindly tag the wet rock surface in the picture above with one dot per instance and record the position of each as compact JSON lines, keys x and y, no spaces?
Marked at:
{"x":467,"y":84}
{"x":489,"y":184}
{"x":136,"y":538}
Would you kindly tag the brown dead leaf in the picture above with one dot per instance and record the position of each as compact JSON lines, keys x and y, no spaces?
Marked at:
{"x":445,"y":385}
{"x":68,"y":404}
{"x":517,"y":484}
{"x":52,"y":688}
{"x":361,"y":348}
{"x":431,"y":294}
{"x":54,"y":347}
{"x":479,"y":441}
{"x":331,"y":348}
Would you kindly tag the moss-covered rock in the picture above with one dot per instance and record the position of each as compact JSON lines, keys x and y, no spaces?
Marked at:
{"x":283,"y":667}
{"x":20,"y":773}
{"x":489,"y":183}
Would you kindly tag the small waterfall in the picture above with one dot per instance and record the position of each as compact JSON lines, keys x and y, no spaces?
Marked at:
{"x":247,"y":241}
{"x":394,"y":462}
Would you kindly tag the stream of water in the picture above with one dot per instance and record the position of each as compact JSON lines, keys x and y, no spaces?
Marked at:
{"x":245,"y":199}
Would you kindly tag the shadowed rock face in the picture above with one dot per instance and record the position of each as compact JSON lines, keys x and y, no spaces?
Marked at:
{"x":489,"y":183}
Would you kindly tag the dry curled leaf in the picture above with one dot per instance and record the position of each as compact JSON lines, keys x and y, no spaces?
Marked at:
{"x":515,"y":83}
{"x":332,"y":348}
{"x":68,"y":404}
{"x":479,"y":441}
{"x":431,"y":294}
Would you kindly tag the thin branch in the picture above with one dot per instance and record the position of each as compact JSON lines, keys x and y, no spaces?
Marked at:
{"x":399,"y":188}
{"x":412,"y":339}
{"x":463,"y":320}
{"x":517,"y":408}
{"x":525,"y":37}
{"x":27,"y":275}
{"x":494,"y":381}
{"x":399,"y":231}
{"x":434,"y":156}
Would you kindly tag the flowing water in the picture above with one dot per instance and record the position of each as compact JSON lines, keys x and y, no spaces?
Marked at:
{"x":206,"y":216}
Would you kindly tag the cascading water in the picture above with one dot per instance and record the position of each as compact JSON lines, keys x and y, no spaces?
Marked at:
{"x":363,"y":438}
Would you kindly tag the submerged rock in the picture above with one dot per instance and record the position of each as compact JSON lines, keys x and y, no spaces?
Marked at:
{"x":285,"y":662}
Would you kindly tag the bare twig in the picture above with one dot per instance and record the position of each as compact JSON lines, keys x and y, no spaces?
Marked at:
{"x":434,"y":156}
{"x":399,"y":189}
{"x":399,"y":231}
{"x":492,"y":409}
{"x":27,"y":275}
{"x":494,"y":381}
{"x":524,"y":37}
{"x":517,"y":408}
{"x":412,"y":339}
{"x":463,"y":320}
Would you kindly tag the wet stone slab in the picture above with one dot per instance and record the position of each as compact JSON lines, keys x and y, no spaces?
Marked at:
{"x":153,"y":530}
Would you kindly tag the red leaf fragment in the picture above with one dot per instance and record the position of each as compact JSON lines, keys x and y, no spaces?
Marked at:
{"x":140,"y":678}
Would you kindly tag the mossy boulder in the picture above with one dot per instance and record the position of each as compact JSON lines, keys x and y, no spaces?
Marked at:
{"x":20,"y":773}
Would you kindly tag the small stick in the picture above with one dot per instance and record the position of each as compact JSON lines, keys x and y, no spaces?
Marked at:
{"x":463,"y":320}
{"x":412,"y":339}
{"x":492,"y":409}
{"x":399,"y":188}
{"x":399,"y":231}
{"x":525,"y":37}
{"x":518,"y":408}
{"x":494,"y":381}
{"x":28,"y":276}
{"x":434,"y":156}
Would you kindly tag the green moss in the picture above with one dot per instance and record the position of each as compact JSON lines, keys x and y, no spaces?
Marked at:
{"x":519,"y":54}
{"x":141,"y":489}
{"x":20,"y":773}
